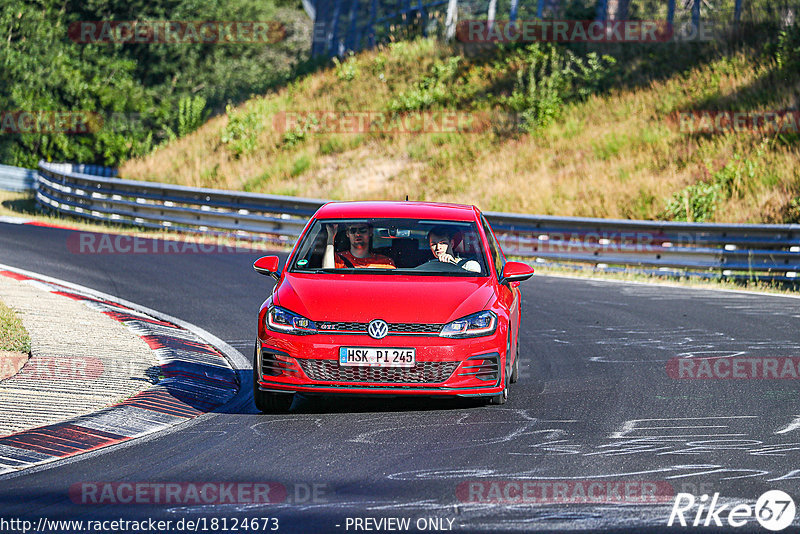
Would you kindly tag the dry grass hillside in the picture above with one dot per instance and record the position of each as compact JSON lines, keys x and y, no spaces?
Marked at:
{"x":604,"y":145}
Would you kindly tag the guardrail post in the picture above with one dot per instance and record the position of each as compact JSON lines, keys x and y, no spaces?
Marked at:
{"x":451,"y":20}
{"x":737,"y":13}
{"x":334,"y":33}
{"x":696,"y":15}
{"x":602,"y":9}
{"x":373,"y":11}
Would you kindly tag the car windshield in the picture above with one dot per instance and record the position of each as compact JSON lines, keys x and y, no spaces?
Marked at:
{"x":392,"y":246}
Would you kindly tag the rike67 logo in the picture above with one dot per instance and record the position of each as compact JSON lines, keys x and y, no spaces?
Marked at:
{"x":774,"y":510}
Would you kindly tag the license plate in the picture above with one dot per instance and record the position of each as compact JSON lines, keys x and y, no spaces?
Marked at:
{"x":377,"y":357}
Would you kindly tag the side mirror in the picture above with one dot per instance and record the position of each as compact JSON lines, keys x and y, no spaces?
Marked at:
{"x":268,"y":265}
{"x":516,"y":271}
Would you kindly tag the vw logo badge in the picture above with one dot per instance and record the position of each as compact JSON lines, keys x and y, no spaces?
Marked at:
{"x":378,"y":329}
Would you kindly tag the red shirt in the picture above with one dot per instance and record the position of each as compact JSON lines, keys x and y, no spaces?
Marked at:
{"x":375,"y":261}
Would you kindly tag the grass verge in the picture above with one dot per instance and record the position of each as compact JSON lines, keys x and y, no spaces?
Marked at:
{"x":13,"y":336}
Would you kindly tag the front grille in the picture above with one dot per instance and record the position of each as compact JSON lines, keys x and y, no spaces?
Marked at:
{"x":394,"y":328}
{"x":412,"y":328}
{"x":421,"y":373}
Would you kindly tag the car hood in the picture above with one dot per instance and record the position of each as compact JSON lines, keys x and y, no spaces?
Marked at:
{"x":393,"y":298}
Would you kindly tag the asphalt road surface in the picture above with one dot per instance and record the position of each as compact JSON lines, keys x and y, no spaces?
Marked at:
{"x":598,"y":409}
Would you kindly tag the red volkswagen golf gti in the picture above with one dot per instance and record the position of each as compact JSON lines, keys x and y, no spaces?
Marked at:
{"x":390,"y":298}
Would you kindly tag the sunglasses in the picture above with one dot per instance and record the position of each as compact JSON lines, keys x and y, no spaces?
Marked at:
{"x":358,"y":230}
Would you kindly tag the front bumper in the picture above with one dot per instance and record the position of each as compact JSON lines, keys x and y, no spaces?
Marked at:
{"x":461,"y":367}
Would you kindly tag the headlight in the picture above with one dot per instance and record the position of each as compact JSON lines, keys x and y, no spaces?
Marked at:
{"x":478,"y":324}
{"x":283,"y":320}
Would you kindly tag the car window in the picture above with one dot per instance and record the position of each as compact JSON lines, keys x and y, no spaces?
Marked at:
{"x":494,"y":248}
{"x":401,"y":246}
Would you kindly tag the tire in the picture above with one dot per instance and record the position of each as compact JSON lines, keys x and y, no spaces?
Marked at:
{"x":267,"y":401}
{"x":515,"y":367}
{"x":502,"y":397}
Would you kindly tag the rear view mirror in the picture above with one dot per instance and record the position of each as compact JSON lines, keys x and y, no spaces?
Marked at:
{"x":268,"y":265}
{"x":516,"y":271}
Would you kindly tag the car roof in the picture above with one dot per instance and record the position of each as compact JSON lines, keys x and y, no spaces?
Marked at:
{"x":397,"y":209}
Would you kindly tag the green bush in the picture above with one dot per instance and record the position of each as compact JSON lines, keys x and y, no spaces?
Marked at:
{"x":192,"y":114}
{"x":786,"y":50}
{"x":432,"y":90}
{"x":301,"y":165}
{"x":378,"y":65}
{"x":331,"y":145}
{"x":301,"y":132}
{"x":551,"y":76}
{"x":241,"y":132}
{"x":698,"y":202}
{"x":346,"y":70}
{"x":695,"y":203}
{"x":792,"y":214}
{"x":735,"y":175}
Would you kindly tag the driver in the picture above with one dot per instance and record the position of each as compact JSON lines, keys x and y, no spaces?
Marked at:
{"x":359,"y":254}
{"x":440,"y":239}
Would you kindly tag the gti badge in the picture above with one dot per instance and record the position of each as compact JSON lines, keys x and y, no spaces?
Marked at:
{"x":377,"y":329}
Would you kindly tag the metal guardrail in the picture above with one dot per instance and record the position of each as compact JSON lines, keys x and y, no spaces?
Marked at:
{"x":756,"y":250}
{"x":728,"y":248}
{"x":278,"y":219}
{"x":93,"y":170}
{"x":16,"y":179}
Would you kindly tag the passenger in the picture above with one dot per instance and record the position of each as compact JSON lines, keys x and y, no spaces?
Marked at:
{"x":360,"y":253}
{"x":440,"y":239}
